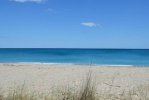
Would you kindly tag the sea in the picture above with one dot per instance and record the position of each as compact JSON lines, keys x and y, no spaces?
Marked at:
{"x":111,"y":57}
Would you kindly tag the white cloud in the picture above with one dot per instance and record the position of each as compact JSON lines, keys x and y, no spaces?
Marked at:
{"x":35,"y":1}
{"x":89,"y":24}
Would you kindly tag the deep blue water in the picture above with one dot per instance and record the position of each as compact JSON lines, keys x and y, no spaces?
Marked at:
{"x":77,"y":56}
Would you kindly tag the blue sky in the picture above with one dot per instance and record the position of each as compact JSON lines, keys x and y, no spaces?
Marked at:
{"x":74,"y":23}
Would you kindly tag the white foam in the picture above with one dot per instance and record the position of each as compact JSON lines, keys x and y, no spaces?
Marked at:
{"x":110,"y":65}
{"x":115,"y":65}
{"x":42,"y":63}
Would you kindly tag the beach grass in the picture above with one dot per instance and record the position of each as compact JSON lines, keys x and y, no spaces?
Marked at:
{"x":86,"y":91}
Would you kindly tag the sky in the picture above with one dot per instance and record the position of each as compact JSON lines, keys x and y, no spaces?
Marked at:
{"x":74,"y":24}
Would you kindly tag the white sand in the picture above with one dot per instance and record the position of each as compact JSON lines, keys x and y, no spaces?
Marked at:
{"x":43,"y":77}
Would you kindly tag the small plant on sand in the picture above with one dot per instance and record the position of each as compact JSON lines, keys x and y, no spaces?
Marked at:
{"x":88,"y":91}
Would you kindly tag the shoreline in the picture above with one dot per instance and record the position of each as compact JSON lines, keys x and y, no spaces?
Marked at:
{"x":101,"y":65}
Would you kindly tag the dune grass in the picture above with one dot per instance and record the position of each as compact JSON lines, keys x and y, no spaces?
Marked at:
{"x":86,"y":91}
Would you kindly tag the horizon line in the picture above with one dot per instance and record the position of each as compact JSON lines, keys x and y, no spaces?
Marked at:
{"x":70,"y":48}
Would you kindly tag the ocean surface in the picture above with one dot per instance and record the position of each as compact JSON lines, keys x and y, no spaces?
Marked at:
{"x":134,"y":57}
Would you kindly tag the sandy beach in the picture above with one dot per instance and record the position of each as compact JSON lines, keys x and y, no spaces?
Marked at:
{"x":43,"y":77}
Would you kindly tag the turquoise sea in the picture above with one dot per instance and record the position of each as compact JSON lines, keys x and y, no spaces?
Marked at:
{"x":136,"y":57}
